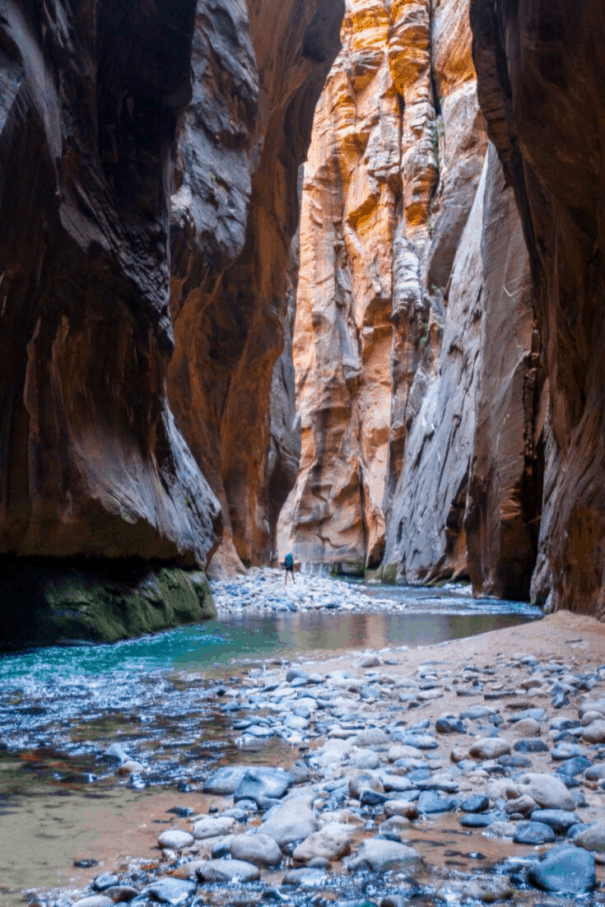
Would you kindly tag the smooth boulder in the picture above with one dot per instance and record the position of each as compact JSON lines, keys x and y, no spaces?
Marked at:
{"x":564,"y":869}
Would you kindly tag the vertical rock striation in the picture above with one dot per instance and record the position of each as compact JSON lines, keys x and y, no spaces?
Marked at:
{"x":148,"y":195}
{"x":540,"y":77}
{"x":417,"y":355}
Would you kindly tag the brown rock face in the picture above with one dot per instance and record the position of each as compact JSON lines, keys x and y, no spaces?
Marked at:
{"x":234,"y":214}
{"x":418,"y":381}
{"x":146,"y":219}
{"x":540,"y":78}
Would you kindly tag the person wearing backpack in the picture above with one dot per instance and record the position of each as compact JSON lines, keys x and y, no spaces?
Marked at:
{"x":289,"y":568}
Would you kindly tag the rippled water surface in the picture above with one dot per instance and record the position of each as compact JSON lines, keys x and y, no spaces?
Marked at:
{"x":160,"y":698}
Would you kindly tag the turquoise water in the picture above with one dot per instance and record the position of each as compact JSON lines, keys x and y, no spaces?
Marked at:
{"x":218,"y":643}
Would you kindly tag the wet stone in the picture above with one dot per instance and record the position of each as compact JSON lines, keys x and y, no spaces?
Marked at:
{"x":175,"y":839}
{"x":259,"y":849}
{"x":559,"y":820}
{"x":170,"y":891}
{"x":592,"y":838}
{"x":478,"y":803}
{"x":533,"y":833}
{"x":226,"y":780}
{"x":475,"y":820}
{"x":431,"y":802}
{"x":307,"y":877}
{"x":380,"y":855}
{"x":564,"y":869}
{"x":105,"y":880}
{"x":489,"y":748}
{"x":262,"y":783}
{"x":531,"y":746}
{"x":227,"y":871}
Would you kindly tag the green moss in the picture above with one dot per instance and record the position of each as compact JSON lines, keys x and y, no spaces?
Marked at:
{"x":386,"y":574}
{"x":45,"y":602}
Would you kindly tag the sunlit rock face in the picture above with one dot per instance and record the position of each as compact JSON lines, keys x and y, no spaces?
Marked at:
{"x":149,"y":157}
{"x":540,"y":77}
{"x":417,"y":356}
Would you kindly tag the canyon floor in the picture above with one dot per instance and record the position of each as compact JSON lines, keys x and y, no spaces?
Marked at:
{"x":465,"y":772}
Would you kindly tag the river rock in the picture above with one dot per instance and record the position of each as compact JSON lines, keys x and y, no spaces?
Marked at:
{"x":121,"y":893}
{"x":430,"y":802}
{"x":170,"y":891}
{"x":331,"y":842}
{"x":226,"y":780}
{"x":211,"y":827}
{"x":364,"y":758}
{"x":105,"y":880}
{"x":175,"y":839}
{"x":595,"y":772}
{"x":548,"y":791}
{"x":290,"y":821}
{"x":372,"y":737}
{"x":259,"y":849}
{"x":533,"y":833}
{"x":564,"y":869}
{"x":526,"y":727}
{"x":401,"y":808}
{"x":360,"y":781}
{"x":592,"y":838}
{"x":489,"y":748}
{"x":96,"y":900}
{"x":531,"y":746}
{"x":592,"y":705}
{"x":262,"y":783}
{"x":487,"y":890}
{"x":478,"y":803}
{"x":227,"y":871}
{"x":595,"y":732}
{"x":307,"y":877}
{"x":380,"y":855}
{"x":394,"y":825}
{"x":559,"y":820}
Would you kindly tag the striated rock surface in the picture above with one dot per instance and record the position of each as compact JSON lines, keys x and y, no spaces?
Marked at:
{"x":540,"y":77}
{"x":149,"y":158}
{"x":419,"y":383}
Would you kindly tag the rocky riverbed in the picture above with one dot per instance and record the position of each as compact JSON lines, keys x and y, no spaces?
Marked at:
{"x":461,"y":773}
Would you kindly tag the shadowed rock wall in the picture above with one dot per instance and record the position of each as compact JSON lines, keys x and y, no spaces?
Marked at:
{"x":540,"y":70}
{"x":148,"y":195}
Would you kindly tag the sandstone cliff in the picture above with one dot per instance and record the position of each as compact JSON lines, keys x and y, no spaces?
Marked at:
{"x":540,"y":81}
{"x":148,"y":159}
{"x":417,"y":357}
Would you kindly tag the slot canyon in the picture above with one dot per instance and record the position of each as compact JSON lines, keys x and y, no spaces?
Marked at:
{"x":297,"y":276}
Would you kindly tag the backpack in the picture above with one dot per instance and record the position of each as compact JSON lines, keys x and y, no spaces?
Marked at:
{"x":289,"y":562}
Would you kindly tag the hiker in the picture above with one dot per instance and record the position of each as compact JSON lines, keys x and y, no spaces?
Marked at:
{"x":289,"y":568}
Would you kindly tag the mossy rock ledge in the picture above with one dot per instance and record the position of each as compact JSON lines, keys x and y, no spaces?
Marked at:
{"x":43,"y":602}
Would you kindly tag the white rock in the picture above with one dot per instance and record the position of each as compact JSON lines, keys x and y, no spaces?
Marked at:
{"x":175,"y":839}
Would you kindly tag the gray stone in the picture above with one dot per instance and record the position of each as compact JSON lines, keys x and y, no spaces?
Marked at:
{"x":395,"y":825}
{"x":431,"y":802}
{"x":175,"y":839}
{"x":364,"y":780}
{"x":105,"y":880}
{"x":548,"y":791}
{"x":533,"y":833}
{"x":372,"y":737}
{"x":227,"y":871}
{"x":567,"y":751}
{"x":559,"y":819}
{"x":401,"y":808}
{"x":263,"y":782}
{"x":564,"y":869}
{"x":308,"y":877}
{"x":489,"y":748}
{"x":380,"y":855}
{"x":259,"y":849}
{"x":211,"y":827}
{"x":595,"y":772}
{"x":595,"y":732}
{"x":96,"y":900}
{"x":419,"y":741}
{"x":478,"y":803}
{"x":593,"y":838}
{"x":531,"y":746}
{"x":526,"y":727}
{"x":170,"y":891}
{"x":477,"y":712}
{"x":331,"y":842}
{"x":226,"y":780}
{"x":121,"y":893}
{"x":290,"y":821}
{"x":475,"y":820}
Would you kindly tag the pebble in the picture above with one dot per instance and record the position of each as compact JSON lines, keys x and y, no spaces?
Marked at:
{"x":547,"y":791}
{"x":592,"y":838}
{"x":170,"y":891}
{"x":533,"y":833}
{"x":210,"y":827}
{"x":489,"y":748}
{"x":331,"y":842}
{"x":260,"y":849}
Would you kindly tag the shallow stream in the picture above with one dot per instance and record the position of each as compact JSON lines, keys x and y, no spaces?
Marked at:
{"x":161,"y":698}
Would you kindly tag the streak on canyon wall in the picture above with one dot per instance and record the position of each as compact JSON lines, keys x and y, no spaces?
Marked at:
{"x":416,"y":353}
{"x":134,"y":398}
{"x":540,"y":72}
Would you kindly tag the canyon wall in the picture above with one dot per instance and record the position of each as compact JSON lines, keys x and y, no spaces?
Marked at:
{"x":418,"y":379}
{"x":540,"y":86}
{"x":149,"y":158}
